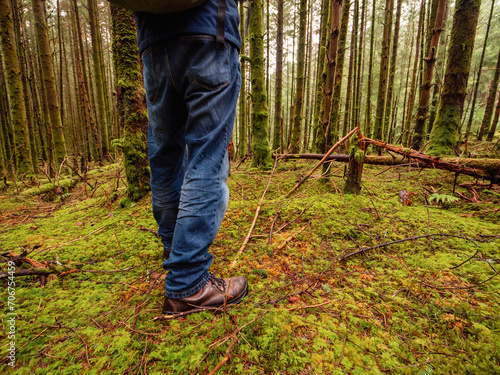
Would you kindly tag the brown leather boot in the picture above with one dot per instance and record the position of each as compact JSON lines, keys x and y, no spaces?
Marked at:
{"x":216,"y":293}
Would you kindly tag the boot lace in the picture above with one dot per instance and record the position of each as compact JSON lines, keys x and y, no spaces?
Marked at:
{"x":219,"y":283}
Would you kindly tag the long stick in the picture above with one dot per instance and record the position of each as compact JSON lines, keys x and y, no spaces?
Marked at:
{"x":322,"y":160}
{"x":247,"y":238}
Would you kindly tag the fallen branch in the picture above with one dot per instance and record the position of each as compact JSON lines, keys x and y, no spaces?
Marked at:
{"x":335,"y":146}
{"x":224,"y":360}
{"x":247,"y":238}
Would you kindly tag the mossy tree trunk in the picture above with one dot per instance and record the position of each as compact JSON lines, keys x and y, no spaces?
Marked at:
{"x":368,"y":114}
{"x":57,"y":144}
{"x":299,"y":94}
{"x":321,"y":76}
{"x":430,"y":61}
{"x":278,"y":118}
{"x":17,"y":107}
{"x":339,"y":71}
{"x":445,"y":132}
{"x":331,"y":61}
{"x":260,"y":115}
{"x":384,"y":67}
{"x":355,"y":167}
{"x":131,"y":102}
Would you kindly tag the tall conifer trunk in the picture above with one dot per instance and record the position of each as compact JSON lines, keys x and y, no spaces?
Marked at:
{"x":49,"y":83}
{"x":384,"y":66}
{"x":425,"y":92}
{"x":260,"y":115}
{"x":490,"y":103}
{"x":98,"y":77}
{"x":445,"y":132}
{"x":299,"y":95}
{"x":17,"y":108}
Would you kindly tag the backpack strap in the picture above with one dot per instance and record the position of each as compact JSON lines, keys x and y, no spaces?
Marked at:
{"x":221,"y":25}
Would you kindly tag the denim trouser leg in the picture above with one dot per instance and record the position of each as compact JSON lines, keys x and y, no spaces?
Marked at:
{"x":192,"y":90}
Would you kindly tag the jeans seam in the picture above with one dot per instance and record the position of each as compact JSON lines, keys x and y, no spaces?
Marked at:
{"x":167,"y":63}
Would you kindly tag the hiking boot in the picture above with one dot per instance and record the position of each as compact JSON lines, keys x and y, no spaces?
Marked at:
{"x":216,"y":293}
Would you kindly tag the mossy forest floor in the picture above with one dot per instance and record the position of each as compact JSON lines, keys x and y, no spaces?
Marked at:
{"x":423,"y":306}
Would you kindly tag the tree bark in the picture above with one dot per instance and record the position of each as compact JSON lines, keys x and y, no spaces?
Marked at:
{"x":430,"y":60}
{"x":488,"y":112}
{"x":299,"y":95}
{"x":445,"y":132}
{"x":17,"y":107}
{"x":260,"y":114}
{"x":131,"y":102}
{"x":279,"y":80}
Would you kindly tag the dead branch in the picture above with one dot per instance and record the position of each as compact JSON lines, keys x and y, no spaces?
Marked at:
{"x":480,"y":168}
{"x":247,"y":238}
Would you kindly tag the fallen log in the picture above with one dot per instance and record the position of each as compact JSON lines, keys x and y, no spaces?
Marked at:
{"x":480,"y":168}
{"x":488,"y":169}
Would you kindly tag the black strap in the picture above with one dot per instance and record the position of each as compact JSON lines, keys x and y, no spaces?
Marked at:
{"x":221,"y":24}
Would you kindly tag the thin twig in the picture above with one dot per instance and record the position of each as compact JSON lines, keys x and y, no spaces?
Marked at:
{"x":403,"y":240}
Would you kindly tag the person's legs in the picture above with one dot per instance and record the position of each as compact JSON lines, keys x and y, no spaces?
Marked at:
{"x":192,"y":94}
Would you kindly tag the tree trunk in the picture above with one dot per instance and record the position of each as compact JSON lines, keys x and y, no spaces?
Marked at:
{"x":445,"y":132}
{"x":355,"y":167}
{"x":493,"y":128}
{"x":425,"y":92}
{"x":259,"y":115}
{"x":242,"y":97}
{"x":368,"y":115}
{"x":102,"y":124}
{"x":488,"y":112}
{"x":334,"y":121}
{"x":131,"y":102}
{"x":384,"y":66}
{"x":392,"y":73}
{"x":299,"y":95}
{"x":49,"y":83}
{"x":330,"y":73}
{"x":478,"y":79}
{"x":411,"y":96}
{"x":321,"y":77}
{"x":279,"y":80}
{"x":17,"y":108}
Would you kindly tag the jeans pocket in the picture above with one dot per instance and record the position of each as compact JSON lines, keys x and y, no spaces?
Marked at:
{"x":208,"y":65}
{"x":150,"y":82}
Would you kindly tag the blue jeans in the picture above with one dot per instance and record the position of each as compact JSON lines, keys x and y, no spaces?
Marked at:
{"x":192,"y":89}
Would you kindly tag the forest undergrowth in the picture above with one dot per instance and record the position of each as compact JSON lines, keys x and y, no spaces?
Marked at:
{"x":339,"y":284}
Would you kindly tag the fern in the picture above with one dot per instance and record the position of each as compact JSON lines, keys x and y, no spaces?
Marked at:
{"x":428,"y":370}
{"x":442,"y":198}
